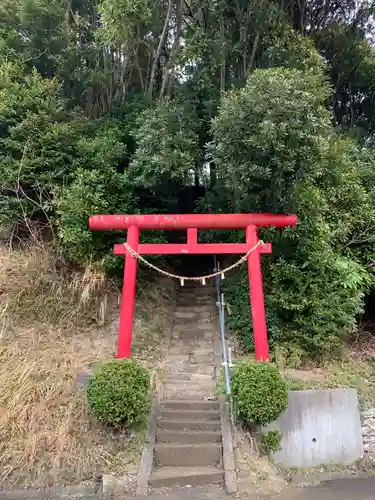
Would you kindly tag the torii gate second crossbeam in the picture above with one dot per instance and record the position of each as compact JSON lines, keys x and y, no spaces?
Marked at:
{"x":192,"y":222}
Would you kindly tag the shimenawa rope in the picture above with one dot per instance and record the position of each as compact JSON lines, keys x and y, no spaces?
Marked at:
{"x":192,"y":278}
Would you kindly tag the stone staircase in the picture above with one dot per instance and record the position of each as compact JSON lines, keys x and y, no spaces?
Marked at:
{"x":188,"y":447}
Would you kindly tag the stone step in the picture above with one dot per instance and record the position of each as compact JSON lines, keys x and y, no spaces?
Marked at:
{"x":192,"y":341}
{"x":188,"y":455}
{"x":206,"y":309}
{"x":205,"y":350}
{"x":190,"y":365}
{"x":195,"y":330}
{"x":184,"y":437}
{"x":191,"y":316}
{"x":194,"y":333}
{"x":190,"y":415}
{"x":188,"y":336}
{"x":190,"y":404}
{"x":196,"y":299}
{"x":198,"y":345}
{"x":183,"y":393}
{"x":189,"y":385}
{"x":179,"y":349}
{"x":185,"y":370}
{"x":189,"y":425}
{"x":166,"y":477}
{"x":198,"y":318}
{"x":197,"y":292}
{"x":196,"y":365}
{"x":192,"y":359}
{"x":179,"y":376}
{"x":196,"y":286}
{"x":197,"y":393}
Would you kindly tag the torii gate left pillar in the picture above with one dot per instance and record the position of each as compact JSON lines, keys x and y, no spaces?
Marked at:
{"x":192,"y":222}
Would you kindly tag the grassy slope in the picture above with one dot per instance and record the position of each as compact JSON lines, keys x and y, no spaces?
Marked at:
{"x":55,"y":323}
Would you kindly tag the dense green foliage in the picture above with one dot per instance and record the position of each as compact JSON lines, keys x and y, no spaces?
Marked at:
{"x":261,"y":105}
{"x":288,"y":159}
{"x":259,"y":393}
{"x":271,"y":441}
{"x":119,"y":393}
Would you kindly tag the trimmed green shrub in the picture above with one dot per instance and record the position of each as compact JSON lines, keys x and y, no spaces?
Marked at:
{"x":271,"y":441}
{"x":119,"y":393}
{"x":259,"y":392}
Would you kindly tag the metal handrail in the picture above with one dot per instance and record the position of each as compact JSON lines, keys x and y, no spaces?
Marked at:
{"x":226,"y":350}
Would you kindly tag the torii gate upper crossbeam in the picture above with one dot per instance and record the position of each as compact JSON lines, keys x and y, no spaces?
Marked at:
{"x":186,"y":221}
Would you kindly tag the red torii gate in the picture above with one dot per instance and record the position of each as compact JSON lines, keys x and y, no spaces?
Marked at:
{"x":192,"y":222}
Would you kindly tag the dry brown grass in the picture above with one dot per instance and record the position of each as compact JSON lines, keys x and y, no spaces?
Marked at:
{"x":54,"y":324}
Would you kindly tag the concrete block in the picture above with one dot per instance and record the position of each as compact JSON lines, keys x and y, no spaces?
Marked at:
{"x":83,"y":378}
{"x":319,"y":427}
{"x":115,"y":485}
{"x":82,"y":490}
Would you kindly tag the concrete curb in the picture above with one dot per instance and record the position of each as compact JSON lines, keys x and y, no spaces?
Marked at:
{"x":147,"y":459}
{"x":226,"y":429}
{"x":228,"y":454}
{"x":62,"y":493}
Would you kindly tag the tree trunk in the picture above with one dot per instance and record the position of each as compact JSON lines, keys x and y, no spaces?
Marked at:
{"x":169,"y":70}
{"x":253,"y":52}
{"x":158,"y":51}
{"x":223,"y":63}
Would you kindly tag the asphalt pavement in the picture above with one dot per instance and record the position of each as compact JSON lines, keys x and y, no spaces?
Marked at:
{"x":339,"y":489}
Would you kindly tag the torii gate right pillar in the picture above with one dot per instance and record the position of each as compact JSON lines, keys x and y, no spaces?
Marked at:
{"x":257,"y":297}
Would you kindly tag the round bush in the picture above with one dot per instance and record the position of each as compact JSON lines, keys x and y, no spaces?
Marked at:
{"x":119,"y":393}
{"x":259,"y":392}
